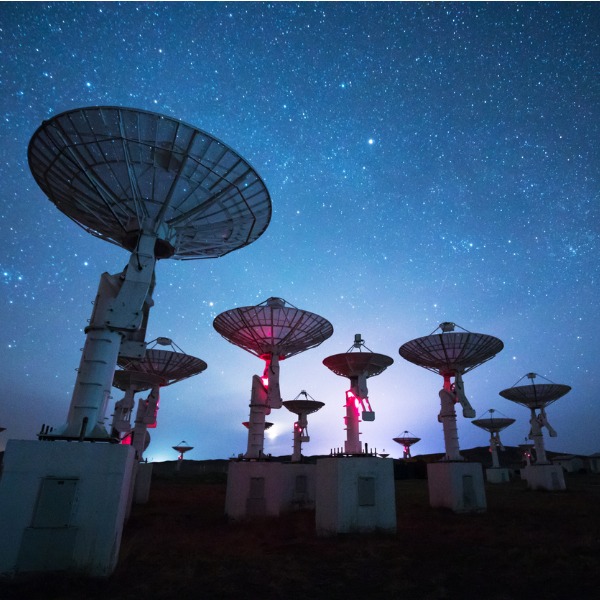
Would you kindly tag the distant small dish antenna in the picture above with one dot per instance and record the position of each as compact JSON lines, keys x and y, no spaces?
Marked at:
{"x":357,"y":367}
{"x":268,"y":424}
{"x":272,"y":330}
{"x":302,"y":405}
{"x":159,"y":368}
{"x":407,"y":439}
{"x":156,"y":187}
{"x":182,"y":448}
{"x":526,"y":451}
{"x":451,"y":353}
{"x":536,"y":397}
{"x":494,"y":425}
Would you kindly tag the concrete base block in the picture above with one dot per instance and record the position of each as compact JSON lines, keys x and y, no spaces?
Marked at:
{"x":298,"y":491}
{"x":497,"y":475}
{"x":355,"y":494}
{"x":456,"y":485}
{"x":143,"y":480}
{"x":62,"y":506}
{"x":265,"y":489}
{"x":544,"y":477}
{"x":253,"y":490}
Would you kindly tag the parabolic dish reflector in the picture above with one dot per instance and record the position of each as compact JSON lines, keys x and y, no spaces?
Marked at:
{"x":451,"y":352}
{"x":138,"y":381}
{"x":493,"y":424}
{"x":406,"y":441}
{"x":536,"y":395}
{"x":170,"y":366}
{"x":115,"y":170}
{"x":182,"y":447}
{"x":268,"y":425}
{"x":303,"y":407}
{"x":353,"y":364}
{"x":273,"y":327}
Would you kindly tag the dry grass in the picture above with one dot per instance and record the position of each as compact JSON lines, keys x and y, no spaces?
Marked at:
{"x":179,"y":546}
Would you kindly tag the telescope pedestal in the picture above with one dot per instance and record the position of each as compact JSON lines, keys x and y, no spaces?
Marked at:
{"x":544,"y":477}
{"x":260,"y":489}
{"x":355,"y":494}
{"x":497,"y":475}
{"x":456,"y":485}
{"x":63,"y":505}
{"x":143,"y":480}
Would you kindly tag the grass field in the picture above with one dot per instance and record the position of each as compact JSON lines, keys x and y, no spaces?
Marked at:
{"x":179,"y":546}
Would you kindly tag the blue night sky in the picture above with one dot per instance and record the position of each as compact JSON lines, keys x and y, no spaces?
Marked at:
{"x":427,"y":162}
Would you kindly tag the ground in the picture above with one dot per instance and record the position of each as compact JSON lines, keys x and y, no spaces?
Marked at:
{"x":179,"y":545}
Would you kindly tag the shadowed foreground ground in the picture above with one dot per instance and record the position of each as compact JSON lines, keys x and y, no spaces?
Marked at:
{"x":179,"y":546}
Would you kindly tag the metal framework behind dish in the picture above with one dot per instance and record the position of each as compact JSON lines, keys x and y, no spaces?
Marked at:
{"x":112,"y":170}
{"x":451,"y":352}
{"x":273,"y":326}
{"x":536,"y":395}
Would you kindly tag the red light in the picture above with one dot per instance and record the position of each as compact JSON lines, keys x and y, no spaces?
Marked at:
{"x":354,"y":401}
{"x":265,"y":382}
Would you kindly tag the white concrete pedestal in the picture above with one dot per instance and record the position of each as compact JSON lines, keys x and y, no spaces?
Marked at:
{"x":63,"y":505}
{"x":456,"y":485}
{"x":544,"y":477}
{"x":266,"y":489}
{"x":355,"y":494}
{"x":497,"y":475}
{"x":143,"y":480}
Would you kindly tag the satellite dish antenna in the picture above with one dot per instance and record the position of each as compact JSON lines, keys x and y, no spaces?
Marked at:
{"x":272,"y":330}
{"x":357,"y":367}
{"x":494,"y":425}
{"x":182,"y":448}
{"x":158,"y":188}
{"x":451,"y":354}
{"x":302,"y":407}
{"x":158,"y":368}
{"x":536,"y":397}
{"x":407,"y":439}
{"x":268,"y":424}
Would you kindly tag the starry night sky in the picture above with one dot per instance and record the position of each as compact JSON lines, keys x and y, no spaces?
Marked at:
{"x":426,"y":163}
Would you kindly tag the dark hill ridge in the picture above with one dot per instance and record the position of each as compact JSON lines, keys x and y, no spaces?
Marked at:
{"x":511,"y":457}
{"x":415,"y":467}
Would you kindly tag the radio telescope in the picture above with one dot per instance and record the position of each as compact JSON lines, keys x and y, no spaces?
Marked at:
{"x":357,"y":367}
{"x":273,"y":330}
{"x":451,"y":354}
{"x":537,"y":397}
{"x":302,"y":407}
{"x":407,"y":439}
{"x":453,"y":482}
{"x":159,"y":368}
{"x":158,"y":188}
{"x":494,"y":425}
{"x":268,"y":425}
{"x":182,"y":448}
